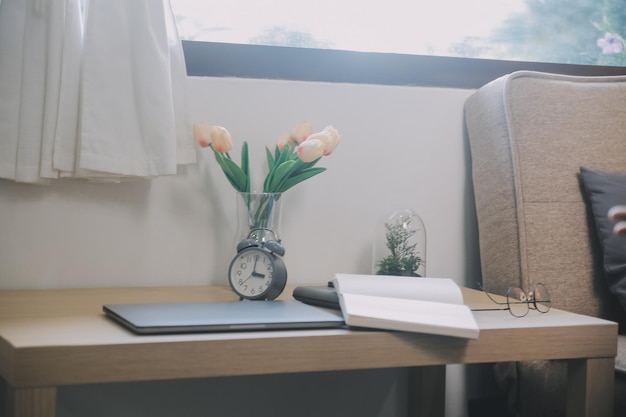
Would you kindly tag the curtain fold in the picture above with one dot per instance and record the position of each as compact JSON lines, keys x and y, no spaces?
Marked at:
{"x":96,"y":93}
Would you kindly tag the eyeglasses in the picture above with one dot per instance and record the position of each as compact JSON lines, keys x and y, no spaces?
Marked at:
{"x":519,"y":302}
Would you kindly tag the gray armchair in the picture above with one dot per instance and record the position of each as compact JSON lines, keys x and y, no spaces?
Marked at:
{"x":529,"y":135}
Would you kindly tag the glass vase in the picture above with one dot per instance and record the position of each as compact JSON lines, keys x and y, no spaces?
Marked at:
{"x":399,"y":245}
{"x":259,"y":216}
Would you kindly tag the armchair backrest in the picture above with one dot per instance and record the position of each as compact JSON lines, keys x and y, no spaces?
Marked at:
{"x":529,"y":134}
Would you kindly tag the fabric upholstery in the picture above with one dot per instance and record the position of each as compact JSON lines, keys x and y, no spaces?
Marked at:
{"x":605,"y":189}
{"x":529,"y":133}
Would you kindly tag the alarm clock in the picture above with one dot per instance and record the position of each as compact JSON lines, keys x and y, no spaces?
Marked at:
{"x":258,"y":272}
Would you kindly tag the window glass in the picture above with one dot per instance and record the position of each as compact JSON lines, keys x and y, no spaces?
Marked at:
{"x":588,"y":32}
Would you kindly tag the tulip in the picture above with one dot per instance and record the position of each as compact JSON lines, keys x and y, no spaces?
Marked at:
{"x":302,"y":131}
{"x":202,"y":133}
{"x":283,"y":140}
{"x":221,"y":139}
{"x":329,"y":137}
{"x":287,"y":166}
{"x":310,"y":150}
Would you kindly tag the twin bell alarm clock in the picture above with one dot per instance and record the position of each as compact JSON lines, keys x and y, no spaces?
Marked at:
{"x":258,"y":272}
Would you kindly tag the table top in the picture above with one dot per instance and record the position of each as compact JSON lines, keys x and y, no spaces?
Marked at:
{"x":61,"y":336}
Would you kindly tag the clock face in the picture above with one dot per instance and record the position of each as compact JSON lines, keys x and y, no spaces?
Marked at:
{"x":251,"y":273}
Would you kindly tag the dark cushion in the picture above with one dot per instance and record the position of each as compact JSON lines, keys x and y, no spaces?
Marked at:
{"x":605,"y":189}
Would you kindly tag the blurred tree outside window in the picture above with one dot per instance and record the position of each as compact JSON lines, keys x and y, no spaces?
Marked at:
{"x":586,"y":32}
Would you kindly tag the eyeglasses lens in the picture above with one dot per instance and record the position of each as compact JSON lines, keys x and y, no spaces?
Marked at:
{"x":517,"y":301}
{"x":541,"y":298}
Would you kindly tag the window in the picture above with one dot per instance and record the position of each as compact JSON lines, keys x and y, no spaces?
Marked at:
{"x":358,"y":39}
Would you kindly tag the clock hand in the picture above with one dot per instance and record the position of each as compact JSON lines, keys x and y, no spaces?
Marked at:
{"x":254,"y":273}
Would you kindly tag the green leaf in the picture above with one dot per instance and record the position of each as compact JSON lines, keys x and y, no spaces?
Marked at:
{"x":270,"y":158}
{"x":266,"y":183}
{"x":283,"y":155}
{"x":287,"y":149}
{"x":245,"y":165}
{"x":234,"y":174}
{"x":305,"y":165}
{"x":298,"y":178}
{"x":280,"y":175}
{"x":237,"y":175}
{"x":272,"y":163}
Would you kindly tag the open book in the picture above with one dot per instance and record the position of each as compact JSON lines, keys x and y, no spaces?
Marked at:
{"x":412,"y":304}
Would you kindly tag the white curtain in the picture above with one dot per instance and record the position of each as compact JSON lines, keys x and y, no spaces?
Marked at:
{"x":97,"y":93}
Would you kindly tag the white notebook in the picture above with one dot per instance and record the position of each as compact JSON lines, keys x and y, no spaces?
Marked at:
{"x":412,"y":304}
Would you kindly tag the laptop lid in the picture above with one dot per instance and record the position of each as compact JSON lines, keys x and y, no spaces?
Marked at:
{"x":221,"y":316}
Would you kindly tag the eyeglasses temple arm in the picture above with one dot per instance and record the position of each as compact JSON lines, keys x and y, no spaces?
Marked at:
{"x":489,"y":295}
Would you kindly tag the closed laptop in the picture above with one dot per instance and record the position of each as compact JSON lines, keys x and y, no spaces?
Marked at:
{"x":221,"y":316}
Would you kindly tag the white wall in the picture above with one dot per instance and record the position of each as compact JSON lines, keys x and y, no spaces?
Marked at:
{"x":402,"y":147}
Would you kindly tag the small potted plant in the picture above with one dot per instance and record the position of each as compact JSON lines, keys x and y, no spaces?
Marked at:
{"x":401,"y":242}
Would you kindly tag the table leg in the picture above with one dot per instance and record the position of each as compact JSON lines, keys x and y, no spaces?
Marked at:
{"x":590,"y":385}
{"x":427,"y":391}
{"x":31,"y":402}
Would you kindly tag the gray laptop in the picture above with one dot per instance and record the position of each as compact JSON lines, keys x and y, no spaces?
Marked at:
{"x":221,"y":316}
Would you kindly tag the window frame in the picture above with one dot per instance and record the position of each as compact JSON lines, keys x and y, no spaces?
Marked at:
{"x":213,"y":59}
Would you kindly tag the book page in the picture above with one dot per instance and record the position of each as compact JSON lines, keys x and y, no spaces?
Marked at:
{"x":409,"y":315}
{"x":442,"y":290}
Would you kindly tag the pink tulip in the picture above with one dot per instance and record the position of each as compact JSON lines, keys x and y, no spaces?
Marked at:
{"x":283,"y":140}
{"x":302,"y":131}
{"x":202,"y":133}
{"x":329,"y":137}
{"x":221,"y":139}
{"x":310,"y":150}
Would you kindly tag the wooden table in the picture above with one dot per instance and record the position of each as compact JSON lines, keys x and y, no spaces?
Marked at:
{"x":50,"y":338}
